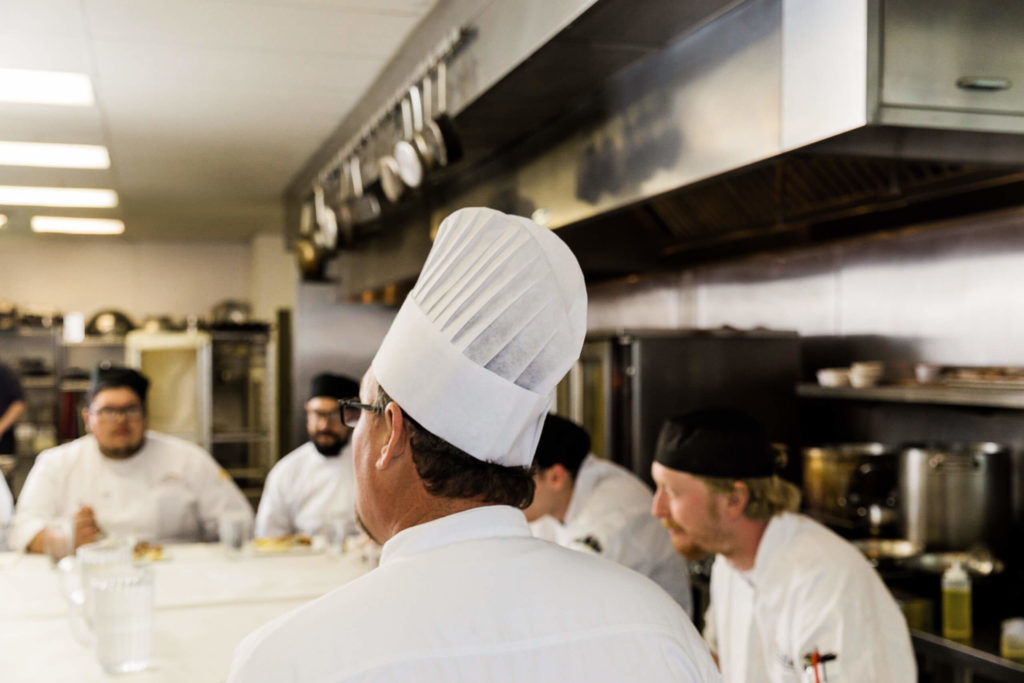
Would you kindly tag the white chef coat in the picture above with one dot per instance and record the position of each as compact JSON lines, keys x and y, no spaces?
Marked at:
{"x":610,"y":514}
{"x":6,"y":508}
{"x":808,"y":590}
{"x":171,"y":490}
{"x":474,"y":597}
{"x":304,"y":489}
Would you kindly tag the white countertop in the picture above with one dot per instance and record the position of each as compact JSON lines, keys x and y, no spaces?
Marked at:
{"x":206,"y":602}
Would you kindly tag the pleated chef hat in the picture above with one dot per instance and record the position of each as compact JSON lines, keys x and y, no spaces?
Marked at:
{"x":496,"y":319}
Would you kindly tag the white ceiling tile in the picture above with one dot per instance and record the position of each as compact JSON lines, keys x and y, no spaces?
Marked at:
{"x":307,"y":28}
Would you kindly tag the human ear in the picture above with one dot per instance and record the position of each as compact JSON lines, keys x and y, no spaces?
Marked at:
{"x":394,"y":443}
{"x":736,"y":499}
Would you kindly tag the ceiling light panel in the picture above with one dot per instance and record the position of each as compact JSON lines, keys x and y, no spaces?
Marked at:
{"x":53,"y":155}
{"x":77,"y":226}
{"x":13,"y":195}
{"x":28,"y":86}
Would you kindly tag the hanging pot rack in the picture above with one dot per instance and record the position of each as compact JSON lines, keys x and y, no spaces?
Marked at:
{"x":366,"y":138}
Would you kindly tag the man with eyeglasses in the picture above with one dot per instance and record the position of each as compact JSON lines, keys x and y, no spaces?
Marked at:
{"x":446,"y":424}
{"x":314,"y":483}
{"x":122,"y":479}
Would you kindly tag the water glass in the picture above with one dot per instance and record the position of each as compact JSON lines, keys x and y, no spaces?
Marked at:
{"x":123,"y":618}
{"x":96,"y":560}
{"x":336,"y":529}
{"x":234,"y":528}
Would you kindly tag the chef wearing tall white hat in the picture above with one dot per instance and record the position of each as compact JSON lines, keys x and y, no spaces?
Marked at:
{"x":446,"y":425}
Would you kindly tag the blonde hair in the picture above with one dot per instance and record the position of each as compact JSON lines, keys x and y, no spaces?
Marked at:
{"x":769,"y":496}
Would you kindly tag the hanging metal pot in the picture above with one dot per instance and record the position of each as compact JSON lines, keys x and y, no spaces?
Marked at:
{"x":447,"y":149}
{"x":411,"y":151}
{"x":365,"y":206}
{"x":390,"y":176}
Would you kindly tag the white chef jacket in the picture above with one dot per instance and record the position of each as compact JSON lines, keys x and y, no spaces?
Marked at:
{"x":475,"y":597}
{"x":304,"y":489}
{"x":6,"y":507}
{"x":808,"y":590}
{"x":171,"y":490}
{"x":610,"y":514}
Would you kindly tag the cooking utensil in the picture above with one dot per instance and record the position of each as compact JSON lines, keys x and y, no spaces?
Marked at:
{"x":390,"y":176}
{"x":955,"y":495}
{"x":852,"y":482}
{"x":109,"y":322}
{"x":310,"y":260}
{"x":365,"y":207}
{"x":326,"y":234}
{"x":881,"y":549}
{"x":411,"y":152}
{"x":447,"y":149}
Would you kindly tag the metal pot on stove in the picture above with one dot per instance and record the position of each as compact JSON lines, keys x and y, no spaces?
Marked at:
{"x":852,"y":485}
{"x":955,"y":495}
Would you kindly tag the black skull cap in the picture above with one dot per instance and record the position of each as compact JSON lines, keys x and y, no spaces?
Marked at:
{"x":716,"y":442}
{"x":108,"y":376}
{"x":334,"y":386}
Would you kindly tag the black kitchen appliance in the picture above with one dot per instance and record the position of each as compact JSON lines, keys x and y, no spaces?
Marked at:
{"x":626,"y":383}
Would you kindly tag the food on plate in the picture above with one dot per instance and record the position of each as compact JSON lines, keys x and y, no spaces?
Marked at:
{"x":147,"y":552}
{"x":280,"y":544}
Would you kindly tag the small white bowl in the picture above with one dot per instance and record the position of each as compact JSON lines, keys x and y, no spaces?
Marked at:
{"x":834,"y":377}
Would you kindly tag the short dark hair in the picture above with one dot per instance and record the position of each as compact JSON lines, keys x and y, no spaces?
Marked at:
{"x":450,"y":472}
{"x":562,"y":442}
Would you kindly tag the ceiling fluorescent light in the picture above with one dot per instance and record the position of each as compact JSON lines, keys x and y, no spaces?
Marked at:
{"x":53,"y":155}
{"x":77,"y":226}
{"x":11,"y":195}
{"x":28,"y":86}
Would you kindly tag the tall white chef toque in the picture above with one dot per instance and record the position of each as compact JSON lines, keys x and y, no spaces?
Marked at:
{"x":496,"y":319}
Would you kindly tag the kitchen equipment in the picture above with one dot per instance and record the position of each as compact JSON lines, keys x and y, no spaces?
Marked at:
{"x":411,"y":152}
{"x":852,"y":484}
{"x":109,"y":322}
{"x":626,"y":383}
{"x":326,"y":233}
{"x":880,"y":550}
{"x":450,"y":149}
{"x":231,"y":311}
{"x":954,"y":495}
{"x":311,"y":260}
{"x":365,"y":206}
{"x":390,"y":176}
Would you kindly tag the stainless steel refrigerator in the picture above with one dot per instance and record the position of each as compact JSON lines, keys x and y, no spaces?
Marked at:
{"x":628,"y":382}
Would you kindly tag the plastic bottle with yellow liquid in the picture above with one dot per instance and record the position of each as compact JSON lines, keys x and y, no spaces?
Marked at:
{"x":956,"y":604}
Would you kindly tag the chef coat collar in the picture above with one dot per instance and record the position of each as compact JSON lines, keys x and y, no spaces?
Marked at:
{"x":776,"y":536}
{"x":587,"y":479}
{"x":488,"y":521}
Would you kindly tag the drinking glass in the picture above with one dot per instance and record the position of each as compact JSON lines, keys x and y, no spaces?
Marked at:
{"x":97,"y":559}
{"x":123,"y":618}
{"x":234,"y":528}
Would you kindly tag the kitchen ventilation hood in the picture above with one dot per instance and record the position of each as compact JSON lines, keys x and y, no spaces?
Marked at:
{"x":761,"y":124}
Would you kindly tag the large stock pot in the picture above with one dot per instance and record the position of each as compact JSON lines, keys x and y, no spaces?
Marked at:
{"x":955,"y":495}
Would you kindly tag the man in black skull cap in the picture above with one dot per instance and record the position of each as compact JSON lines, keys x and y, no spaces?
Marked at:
{"x":122,"y":479}
{"x":790,"y":600}
{"x":314,"y":484}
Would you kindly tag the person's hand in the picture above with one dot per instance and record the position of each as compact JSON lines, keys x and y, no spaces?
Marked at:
{"x":86,"y":529}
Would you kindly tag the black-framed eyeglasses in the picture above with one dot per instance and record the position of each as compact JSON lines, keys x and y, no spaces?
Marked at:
{"x":351,"y":409}
{"x":111,"y":413}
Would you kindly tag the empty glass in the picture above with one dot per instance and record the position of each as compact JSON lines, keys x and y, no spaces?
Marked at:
{"x":123,"y":618}
{"x":234,"y":528}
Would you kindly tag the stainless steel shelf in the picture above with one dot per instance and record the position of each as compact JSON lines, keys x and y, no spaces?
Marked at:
{"x":38,"y":382}
{"x":995,"y":397}
{"x":239,"y":437}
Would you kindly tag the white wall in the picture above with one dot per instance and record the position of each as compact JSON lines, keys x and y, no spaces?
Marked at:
{"x":90,"y":274}
{"x":956,"y":290}
{"x":273,"y":276}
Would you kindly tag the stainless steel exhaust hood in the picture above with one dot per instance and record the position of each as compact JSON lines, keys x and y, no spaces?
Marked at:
{"x":778,"y":122}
